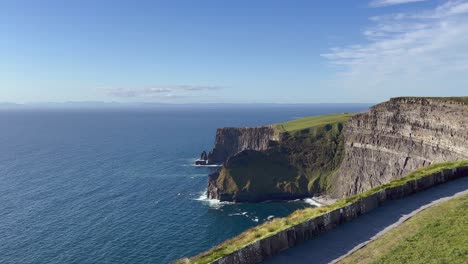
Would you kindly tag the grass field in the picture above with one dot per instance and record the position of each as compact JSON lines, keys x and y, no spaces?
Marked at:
{"x":313,"y":121}
{"x":270,"y":228}
{"x":436,"y":235}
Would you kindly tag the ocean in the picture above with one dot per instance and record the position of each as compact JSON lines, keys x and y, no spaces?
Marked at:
{"x":118,"y":185}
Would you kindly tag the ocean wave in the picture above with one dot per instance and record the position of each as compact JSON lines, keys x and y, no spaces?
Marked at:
{"x":211,"y":165}
{"x":239,"y":214}
{"x":193,"y":160}
{"x":311,"y":201}
{"x":213,"y":203}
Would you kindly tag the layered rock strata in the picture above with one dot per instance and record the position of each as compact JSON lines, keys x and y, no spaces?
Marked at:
{"x":396,"y":137}
{"x":387,"y":142}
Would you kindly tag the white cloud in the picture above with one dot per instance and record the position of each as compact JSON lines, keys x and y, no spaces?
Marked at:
{"x":421,"y":53}
{"x":177,"y":91}
{"x":381,"y":3}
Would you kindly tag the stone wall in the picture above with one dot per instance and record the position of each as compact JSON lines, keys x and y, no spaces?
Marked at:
{"x":270,"y":246}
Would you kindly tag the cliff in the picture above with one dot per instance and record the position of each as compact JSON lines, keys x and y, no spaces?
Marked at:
{"x":339,"y":155}
{"x":296,"y":165}
{"x":396,"y":137}
{"x":231,"y":140}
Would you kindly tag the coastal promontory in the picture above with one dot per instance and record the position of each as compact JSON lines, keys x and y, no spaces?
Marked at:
{"x":339,"y":154}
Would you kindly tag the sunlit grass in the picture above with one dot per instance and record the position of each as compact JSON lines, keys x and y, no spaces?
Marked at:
{"x":435,"y":235}
{"x":313,"y":121}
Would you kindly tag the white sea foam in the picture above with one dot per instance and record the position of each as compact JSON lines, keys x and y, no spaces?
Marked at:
{"x":311,"y":201}
{"x":193,"y":160}
{"x":214,"y":203}
{"x":239,"y":214}
{"x":211,"y":165}
{"x":270,"y":217}
{"x":234,"y":214}
{"x":192,"y":176}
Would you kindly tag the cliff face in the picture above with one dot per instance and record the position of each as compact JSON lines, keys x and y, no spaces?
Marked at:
{"x":231,"y":140}
{"x":340,"y":158}
{"x":397,"y":137}
{"x":298,"y":165}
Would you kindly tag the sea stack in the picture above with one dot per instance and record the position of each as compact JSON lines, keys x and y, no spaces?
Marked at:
{"x":203,"y":159}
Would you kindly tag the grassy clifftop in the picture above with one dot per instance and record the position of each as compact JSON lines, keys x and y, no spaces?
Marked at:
{"x":300,"y":164}
{"x":312,"y":121}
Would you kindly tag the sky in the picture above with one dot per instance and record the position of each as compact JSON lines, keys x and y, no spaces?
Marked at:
{"x":241,"y":51}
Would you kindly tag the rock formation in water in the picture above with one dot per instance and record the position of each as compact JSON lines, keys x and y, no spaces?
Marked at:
{"x":387,"y":142}
{"x":203,"y":159}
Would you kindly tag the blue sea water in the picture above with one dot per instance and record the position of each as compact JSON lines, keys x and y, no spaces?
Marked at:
{"x":118,"y":186}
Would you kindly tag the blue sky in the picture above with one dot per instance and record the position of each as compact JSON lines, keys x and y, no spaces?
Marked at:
{"x":232,"y":51}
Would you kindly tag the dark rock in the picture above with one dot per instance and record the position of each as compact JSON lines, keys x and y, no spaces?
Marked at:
{"x":203,"y":159}
{"x":231,"y":140}
{"x":201,"y":162}
{"x":204,"y":156}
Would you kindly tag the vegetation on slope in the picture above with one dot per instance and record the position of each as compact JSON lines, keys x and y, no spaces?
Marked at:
{"x":436,"y":235}
{"x":270,"y":228}
{"x":309,"y":150}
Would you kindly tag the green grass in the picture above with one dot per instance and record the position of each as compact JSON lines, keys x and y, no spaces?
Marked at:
{"x":270,"y":228}
{"x":313,"y":121}
{"x":438,"y":234}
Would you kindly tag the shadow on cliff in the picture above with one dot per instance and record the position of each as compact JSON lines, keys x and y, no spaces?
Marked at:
{"x":337,"y":242}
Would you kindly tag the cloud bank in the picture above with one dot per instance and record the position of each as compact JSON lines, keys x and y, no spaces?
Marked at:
{"x":381,"y":3}
{"x":406,"y":53}
{"x":176,"y":91}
